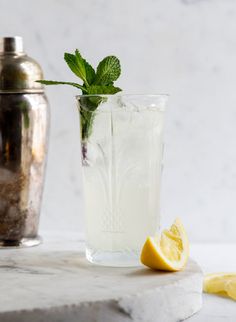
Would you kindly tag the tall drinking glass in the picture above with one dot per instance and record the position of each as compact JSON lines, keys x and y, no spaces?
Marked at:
{"x":122,"y":147}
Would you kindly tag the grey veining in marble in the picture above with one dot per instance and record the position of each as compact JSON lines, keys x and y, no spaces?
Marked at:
{"x":54,"y":282}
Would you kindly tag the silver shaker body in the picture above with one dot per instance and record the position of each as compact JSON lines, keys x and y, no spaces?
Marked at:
{"x":24,"y":123}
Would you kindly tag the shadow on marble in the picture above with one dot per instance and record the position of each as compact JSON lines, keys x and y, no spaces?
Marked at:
{"x":145,"y":272}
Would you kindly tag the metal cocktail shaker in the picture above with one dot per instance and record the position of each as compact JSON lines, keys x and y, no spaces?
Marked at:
{"x":24,"y":118}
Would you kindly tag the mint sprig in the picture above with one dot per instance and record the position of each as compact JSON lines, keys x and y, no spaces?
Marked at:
{"x":89,"y":71}
{"x":48,"y":82}
{"x":94,"y":83}
{"x":108,"y":71}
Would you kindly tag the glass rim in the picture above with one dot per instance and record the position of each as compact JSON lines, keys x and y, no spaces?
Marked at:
{"x":124,"y":95}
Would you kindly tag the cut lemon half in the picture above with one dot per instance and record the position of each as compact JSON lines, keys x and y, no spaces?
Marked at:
{"x":169,"y":252}
{"x":221,"y":283}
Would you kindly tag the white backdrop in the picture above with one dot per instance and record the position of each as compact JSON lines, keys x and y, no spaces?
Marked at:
{"x":184,"y":47}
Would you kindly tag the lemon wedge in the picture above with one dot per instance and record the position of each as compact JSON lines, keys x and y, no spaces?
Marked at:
{"x":221,"y":283}
{"x":169,"y":252}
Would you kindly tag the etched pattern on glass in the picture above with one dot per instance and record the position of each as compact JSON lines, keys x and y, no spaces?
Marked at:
{"x":122,"y":179}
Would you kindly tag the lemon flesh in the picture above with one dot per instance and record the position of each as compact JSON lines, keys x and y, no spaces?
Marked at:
{"x":221,"y":283}
{"x":169,"y":252}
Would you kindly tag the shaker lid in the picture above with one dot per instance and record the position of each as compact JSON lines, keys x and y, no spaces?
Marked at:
{"x":18,"y":72}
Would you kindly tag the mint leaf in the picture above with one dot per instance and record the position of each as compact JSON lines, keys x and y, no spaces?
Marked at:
{"x":76,"y":64}
{"x":89,"y":71}
{"x":48,"y":82}
{"x":108,"y":71}
{"x":102,"y":89}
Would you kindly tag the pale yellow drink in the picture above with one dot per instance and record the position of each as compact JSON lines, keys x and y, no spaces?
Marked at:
{"x":122,"y":176}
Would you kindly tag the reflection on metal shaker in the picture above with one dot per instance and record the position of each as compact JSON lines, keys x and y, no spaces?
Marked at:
{"x":24,"y":120}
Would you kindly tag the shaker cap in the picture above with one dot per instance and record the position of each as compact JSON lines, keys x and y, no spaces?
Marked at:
{"x":18,"y":72}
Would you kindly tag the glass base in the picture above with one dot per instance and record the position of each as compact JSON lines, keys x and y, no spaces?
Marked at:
{"x":113,"y":259}
{"x":21,"y":243}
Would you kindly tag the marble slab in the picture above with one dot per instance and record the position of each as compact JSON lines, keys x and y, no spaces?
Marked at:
{"x":54,"y":283}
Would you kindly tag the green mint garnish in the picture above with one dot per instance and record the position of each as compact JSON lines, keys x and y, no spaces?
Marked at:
{"x":47,"y":82}
{"x":94,"y":83}
{"x":108,"y":71}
